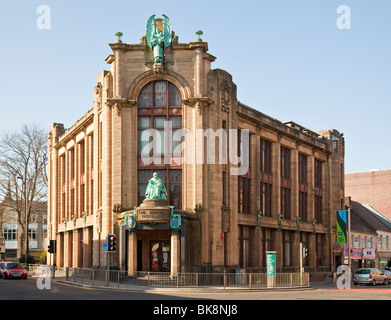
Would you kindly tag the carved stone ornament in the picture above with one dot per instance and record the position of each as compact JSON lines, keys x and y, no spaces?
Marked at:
{"x":99,"y":221}
{"x":226,"y":221}
{"x":225,"y":97}
{"x":118,"y":108}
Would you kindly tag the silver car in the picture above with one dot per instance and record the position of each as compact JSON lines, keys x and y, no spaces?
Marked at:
{"x":371,"y":276}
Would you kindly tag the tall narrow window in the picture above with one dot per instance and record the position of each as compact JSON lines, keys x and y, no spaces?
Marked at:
{"x":63,"y":187}
{"x":285,"y":203}
{"x":71,"y":157}
{"x":266,"y":156}
{"x":244,"y":181}
{"x":245,"y":246}
{"x":244,"y":194}
{"x":82,"y":179}
{"x":285,"y":190}
{"x":303,"y":188}
{"x":267,"y":243}
{"x":159,"y":109}
{"x":285,"y":163}
{"x":91,"y":182}
{"x":302,"y":168}
{"x":318,"y":192}
{"x":320,"y":249}
{"x":287,"y":247}
{"x":266,"y":177}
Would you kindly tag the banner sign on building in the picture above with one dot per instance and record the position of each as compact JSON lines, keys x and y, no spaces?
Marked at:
{"x":341,"y":226}
{"x":354,"y":253}
{"x":369,"y":253}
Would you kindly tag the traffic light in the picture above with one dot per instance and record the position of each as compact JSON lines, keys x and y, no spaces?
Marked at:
{"x":111,"y":242}
{"x":305,"y":252}
{"x":52,"y":246}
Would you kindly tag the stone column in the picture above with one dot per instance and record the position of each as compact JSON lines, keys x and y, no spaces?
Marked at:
{"x":312,"y":251}
{"x":60,"y":250}
{"x":175,"y":253}
{"x":68,"y":249}
{"x":86,"y":247}
{"x":76,"y":263}
{"x":132,"y":254}
{"x":296,"y":250}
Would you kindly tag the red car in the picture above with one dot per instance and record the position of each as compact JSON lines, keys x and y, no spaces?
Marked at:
{"x":13,"y":270}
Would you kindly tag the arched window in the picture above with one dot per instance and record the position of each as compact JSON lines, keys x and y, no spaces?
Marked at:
{"x":160,"y":111}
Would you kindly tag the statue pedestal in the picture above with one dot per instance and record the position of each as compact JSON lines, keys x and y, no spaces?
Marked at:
{"x":153,"y":211}
{"x":158,"y":69}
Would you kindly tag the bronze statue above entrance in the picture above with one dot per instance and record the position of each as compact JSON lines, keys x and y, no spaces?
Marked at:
{"x":156,"y":228}
{"x":154,"y":208}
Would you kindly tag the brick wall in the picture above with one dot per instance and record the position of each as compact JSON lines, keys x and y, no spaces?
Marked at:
{"x":373,"y":187}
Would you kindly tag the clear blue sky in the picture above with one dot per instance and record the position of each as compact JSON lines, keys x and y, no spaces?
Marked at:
{"x":287,"y":58}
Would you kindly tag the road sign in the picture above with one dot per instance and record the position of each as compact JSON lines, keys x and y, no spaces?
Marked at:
{"x":104,"y":246}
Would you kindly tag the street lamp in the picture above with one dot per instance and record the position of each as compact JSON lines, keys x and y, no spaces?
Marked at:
{"x":26,"y":213}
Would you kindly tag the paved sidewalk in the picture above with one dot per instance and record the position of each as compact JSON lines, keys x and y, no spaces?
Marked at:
{"x":321,"y":285}
{"x":120,"y":287}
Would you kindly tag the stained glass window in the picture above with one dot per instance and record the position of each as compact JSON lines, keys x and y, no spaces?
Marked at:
{"x":175,"y":96}
{"x":144,"y":99}
{"x":160,"y":94}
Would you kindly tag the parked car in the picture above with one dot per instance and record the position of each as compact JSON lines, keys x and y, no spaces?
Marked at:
{"x":371,"y":276}
{"x":388,"y":275}
{"x":13,"y":270}
{"x":1,"y":267}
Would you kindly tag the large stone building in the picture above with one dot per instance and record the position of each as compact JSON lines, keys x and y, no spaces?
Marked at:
{"x":98,"y":172}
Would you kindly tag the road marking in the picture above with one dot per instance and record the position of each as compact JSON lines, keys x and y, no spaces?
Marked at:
{"x":360,"y":290}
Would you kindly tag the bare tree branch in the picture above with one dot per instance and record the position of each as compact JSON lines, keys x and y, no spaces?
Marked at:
{"x":23,"y":162}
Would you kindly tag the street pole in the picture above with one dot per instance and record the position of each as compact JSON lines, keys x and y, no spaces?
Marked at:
{"x":349,"y":244}
{"x":301,"y":263}
{"x":27,"y":223}
{"x":24,"y":182}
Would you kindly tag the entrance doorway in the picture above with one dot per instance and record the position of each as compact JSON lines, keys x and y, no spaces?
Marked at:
{"x":160,"y":256}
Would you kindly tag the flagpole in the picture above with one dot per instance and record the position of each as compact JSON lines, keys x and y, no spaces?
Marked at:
{"x":349,"y":241}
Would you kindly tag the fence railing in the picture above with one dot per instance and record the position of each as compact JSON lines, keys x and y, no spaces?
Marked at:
{"x":122,"y":279}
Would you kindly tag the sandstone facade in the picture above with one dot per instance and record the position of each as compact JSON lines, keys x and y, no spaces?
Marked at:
{"x":228,"y":221}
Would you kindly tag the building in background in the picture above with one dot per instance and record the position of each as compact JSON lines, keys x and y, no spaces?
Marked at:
{"x":372,"y":187}
{"x":97,"y":176}
{"x":370,"y":238}
{"x":11,"y":230}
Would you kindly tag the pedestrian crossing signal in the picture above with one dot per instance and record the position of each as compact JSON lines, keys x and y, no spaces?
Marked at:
{"x":111,"y":242}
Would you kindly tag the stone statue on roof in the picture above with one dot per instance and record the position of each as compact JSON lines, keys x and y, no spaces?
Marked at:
{"x":158,"y":36}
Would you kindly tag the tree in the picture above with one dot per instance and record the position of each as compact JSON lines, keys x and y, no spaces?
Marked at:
{"x":23,"y":176}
